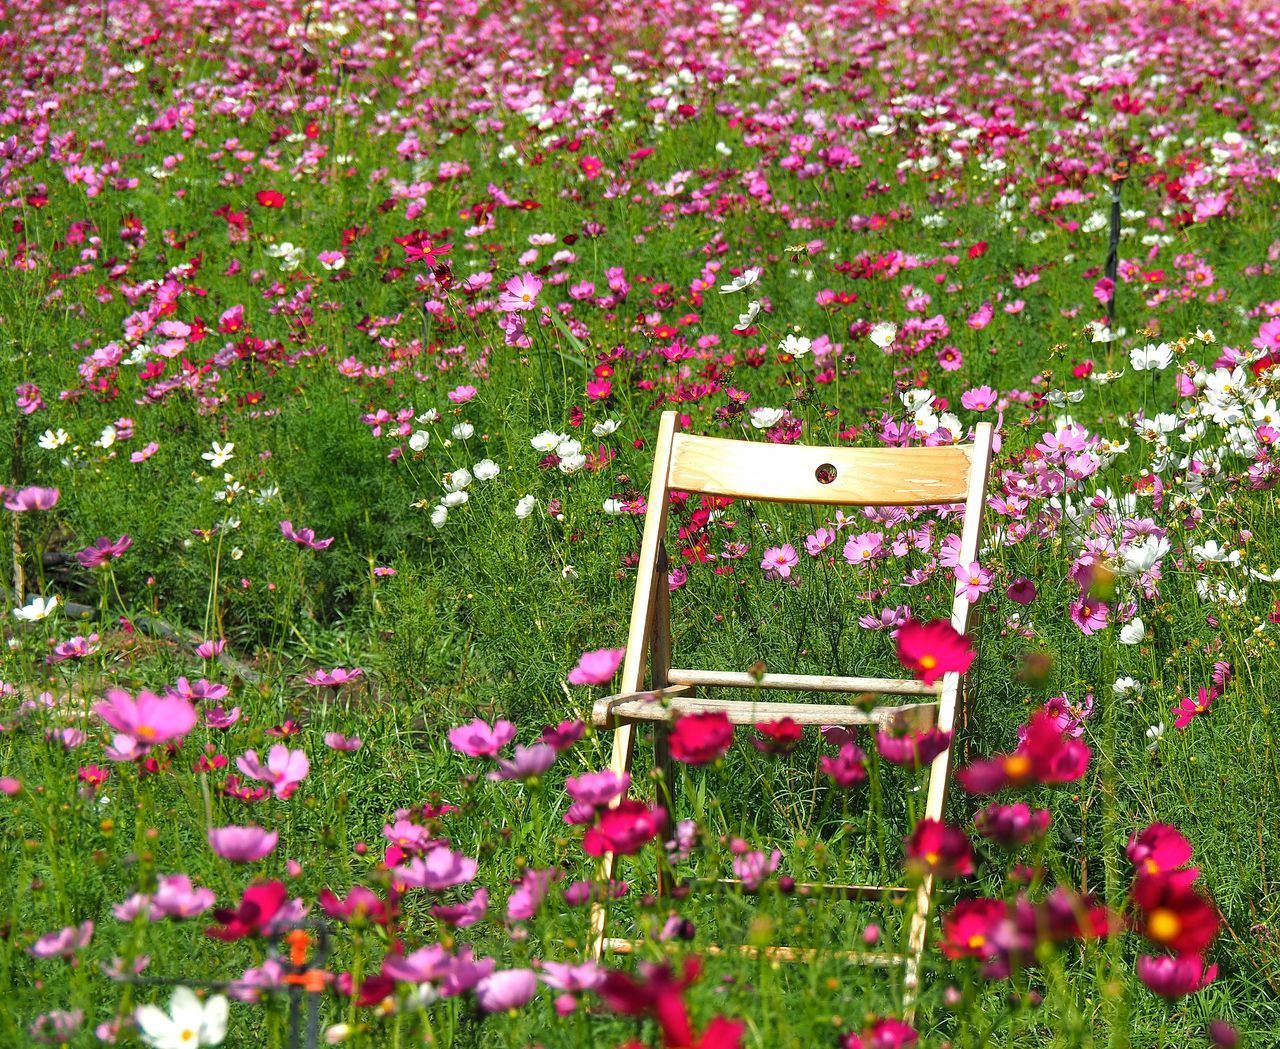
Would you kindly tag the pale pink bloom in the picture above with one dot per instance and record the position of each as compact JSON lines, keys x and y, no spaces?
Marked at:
{"x":974,"y":580}
{"x":217,"y":717}
{"x":176,"y":897}
{"x":304,"y":536}
{"x":242,"y":844}
{"x":337,"y":741}
{"x":479,"y":740}
{"x":284,"y":769}
{"x":439,"y":869}
{"x":752,"y":868}
{"x":461,"y":394}
{"x":863,"y":549}
{"x":509,"y":989}
{"x":33,"y":498}
{"x":64,"y":943}
{"x":335,"y":677}
{"x":145,"y":453}
{"x":210,"y":649}
{"x":596,"y":667}
{"x":519,"y":293}
{"x":149,"y":719}
{"x":529,"y":763}
{"x":779,"y":560}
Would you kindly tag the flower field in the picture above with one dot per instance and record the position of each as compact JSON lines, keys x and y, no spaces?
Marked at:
{"x":335,"y":337}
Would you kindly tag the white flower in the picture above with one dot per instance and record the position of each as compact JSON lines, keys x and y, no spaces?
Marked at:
{"x":570,"y":464}
{"x":913,"y":400}
{"x":546,"y":441}
{"x":1141,"y":557}
{"x":51,"y":439}
{"x":486,"y":470}
{"x":339,"y":1033}
{"x":452,"y":499}
{"x":1133,"y":631}
{"x":457,"y":480}
{"x":1101,"y":333}
{"x":221,"y":454}
{"x":745,"y":319}
{"x":188,"y":1023}
{"x":568,"y":572}
{"x":439,"y":515}
{"x":290,"y":255}
{"x":463,"y":431}
{"x":613,"y":506}
{"x":107,"y":439}
{"x":36,"y":609}
{"x":419,"y":439}
{"x":1154,"y":733}
{"x":525,"y":506}
{"x":1266,"y":577}
{"x":796,"y":345}
{"x":1126,"y":687}
{"x":763,"y":418}
{"x":1151,"y":358}
{"x":431,"y":415}
{"x":604,"y":429}
{"x":568,"y":448}
{"x":1211,"y":551}
{"x":748,"y":278}
{"x":883,"y":334}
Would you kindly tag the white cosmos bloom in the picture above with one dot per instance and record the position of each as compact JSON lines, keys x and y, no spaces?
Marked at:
{"x":525,"y":506}
{"x":1266,"y":577}
{"x":546,"y":441}
{"x":463,"y":431}
{"x":1212,"y":551}
{"x":1154,"y":733}
{"x":36,"y":609}
{"x":613,"y":506}
{"x":883,"y":334}
{"x":188,"y":1023}
{"x":567,"y":448}
{"x":1126,"y":687}
{"x":107,"y":439}
{"x":452,"y":499}
{"x":439,"y":516}
{"x":486,"y":470}
{"x":796,"y":345}
{"x":419,"y":440}
{"x":915,"y":399}
{"x":51,"y":439}
{"x":571,"y":464}
{"x":1151,"y":358}
{"x":457,"y":479}
{"x":221,"y":454}
{"x":605,"y":428}
{"x":748,"y":278}
{"x":1133,"y":632}
{"x":745,"y":319}
{"x":1101,"y":333}
{"x":1142,"y":556}
{"x":431,"y":415}
{"x":763,"y":418}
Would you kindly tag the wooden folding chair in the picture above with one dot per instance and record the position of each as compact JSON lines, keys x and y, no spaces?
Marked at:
{"x":788,"y":474}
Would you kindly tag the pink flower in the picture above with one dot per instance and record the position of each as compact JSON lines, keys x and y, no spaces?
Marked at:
{"x":1174,"y":976}
{"x":478,"y":740}
{"x":519,"y":293}
{"x":979,"y":399}
{"x":217,"y":717}
{"x":145,"y":453}
{"x":176,"y":897}
{"x":509,"y":989}
{"x":974,"y":580}
{"x":933,"y":649}
{"x":210,"y":649}
{"x":817,"y":542}
{"x":1190,"y":708}
{"x":242,"y":844}
{"x":461,"y":394}
{"x":596,"y":667}
{"x":335,"y":677}
{"x":597,"y":789}
{"x":863,"y":549}
{"x":981,"y":317}
{"x":33,"y":498}
{"x":149,"y":719}
{"x":304,"y":536}
{"x":104,"y":550}
{"x":1103,"y":289}
{"x":64,"y":943}
{"x":779,"y":560}
{"x":753,"y":868}
{"x":530,"y":762}
{"x":848,"y":767}
{"x":439,"y":869}
{"x":284,"y":769}
{"x":337,"y":741}
{"x":564,"y":735}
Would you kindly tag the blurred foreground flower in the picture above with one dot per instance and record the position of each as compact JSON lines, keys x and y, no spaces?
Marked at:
{"x":188,"y":1023}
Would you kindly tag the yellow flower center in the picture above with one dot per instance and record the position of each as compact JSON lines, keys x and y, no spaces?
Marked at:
{"x":1163,"y":924}
{"x":977,"y":940}
{"x":928,"y":662}
{"x":1016,"y":766}
{"x":146,"y":732}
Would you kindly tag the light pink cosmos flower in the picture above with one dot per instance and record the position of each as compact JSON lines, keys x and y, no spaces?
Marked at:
{"x":337,"y":741}
{"x":33,"y":498}
{"x":974,"y":580}
{"x":149,"y":719}
{"x":597,"y":788}
{"x":242,"y":844}
{"x":176,"y":897}
{"x":304,"y":536}
{"x":979,"y":399}
{"x":64,"y":943}
{"x":519,"y":293}
{"x":596,"y":667}
{"x":217,"y":717}
{"x":863,"y":549}
{"x":145,"y":453}
{"x":210,"y":649}
{"x":335,"y":677}
{"x":530,"y":762}
{"x":439,"y":869}
{"x":779,"y":560}
{"x":509,"y":989}
{"x":753,"y":868}
{"x":478,"y":740}
{"x":461,"y":394}
{"x":284,"y":769}
{"x":817,"y":542}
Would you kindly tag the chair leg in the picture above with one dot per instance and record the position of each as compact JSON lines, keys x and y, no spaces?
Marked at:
{"x":664,"y":775}
{"x":623,"y":746}
{"x":915,"y":948}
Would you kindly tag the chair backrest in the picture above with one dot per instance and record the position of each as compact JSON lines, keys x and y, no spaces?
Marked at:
{"x":944,"y":475}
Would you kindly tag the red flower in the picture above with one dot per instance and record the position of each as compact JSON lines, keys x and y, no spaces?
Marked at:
{"x":624,"y":829}
{"x":1172,"y":977}
{"x":1159,"y":848}
{"x":1045,"y":756}
{"x":659,"y":993}
{"x":932,"y":649}
{"x":270,"y":198}
{"x":698,"y":739}
{"x":1173,"y":913}
{"x":259,"y":905}
{"x":887,"y":1033}
{"x":1011,"y":825}
{"x":361,"y":905}
{"x":936,"y":848}
{"x":848,"y":767}
{"x":968,"y":931}
{"x":779,"y":737}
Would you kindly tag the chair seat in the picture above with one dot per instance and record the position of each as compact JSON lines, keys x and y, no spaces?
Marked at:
{"x":665,"y":706}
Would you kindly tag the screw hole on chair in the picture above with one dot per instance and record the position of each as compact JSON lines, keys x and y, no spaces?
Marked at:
{"x":826,"y":473}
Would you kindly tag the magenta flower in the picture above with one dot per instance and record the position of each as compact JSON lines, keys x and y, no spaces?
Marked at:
{"x":596,"y":667}
{"x":846,"y":768}
{"x":284,"y":769}
{"x":478,"y":740}
{"x":95,"y":555}
{"x":149,"y":719}
{"x":529,"y":763}
{"x":462,"y":915}
{"x":75,"y":648}
{"x":1192,"y":707}
{"x":425,"y":965}
{"x":33,"y":498}
{"x":337,"y":741}
{"x":210,"y":649}
{"x":597,"y":789}
{"x":242,"y":844}
{"x":753,"y":868}
{"x":64,"y":943}
{"x":461,"y":394}
{"x":564,"y":735}
{"x":439,"y":869}
{"x":519,"y":293}
{"x":217,"y":717}
{"x":509,"y":989}
{"x":1175,"y":976}
{"x":304,"y":536}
